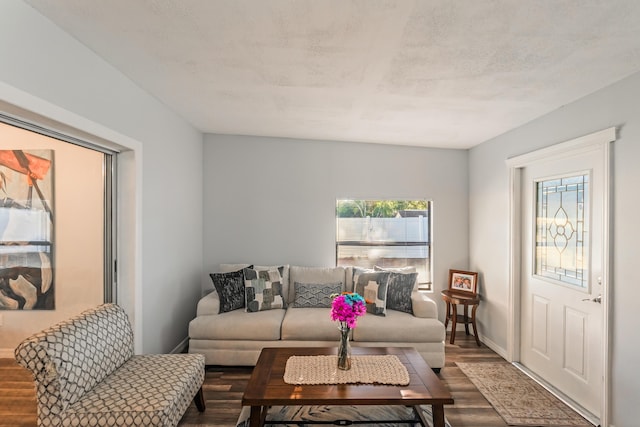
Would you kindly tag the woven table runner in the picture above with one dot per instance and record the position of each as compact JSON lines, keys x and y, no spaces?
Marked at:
{"x":376,"y":369}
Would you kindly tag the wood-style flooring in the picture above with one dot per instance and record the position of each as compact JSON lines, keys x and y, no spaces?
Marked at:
{"x":224,"y":386}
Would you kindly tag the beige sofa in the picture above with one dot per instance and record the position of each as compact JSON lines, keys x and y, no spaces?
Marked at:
{"x":235,"y":338}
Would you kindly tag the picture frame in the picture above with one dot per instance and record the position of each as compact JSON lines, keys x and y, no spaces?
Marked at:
{"x":27,"y":273}
{"x":463,"y":281}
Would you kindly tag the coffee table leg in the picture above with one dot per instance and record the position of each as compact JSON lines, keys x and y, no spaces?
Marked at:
{"x":256,"y":419}
{"x":438,"y":415}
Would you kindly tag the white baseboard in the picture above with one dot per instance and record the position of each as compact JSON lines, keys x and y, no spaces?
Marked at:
{"x":6,"y":353}
{"x":495,"y":347}
{"x":181,"y":347}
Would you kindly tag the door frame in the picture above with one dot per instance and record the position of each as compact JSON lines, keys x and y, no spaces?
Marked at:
{"x":598,"y":141}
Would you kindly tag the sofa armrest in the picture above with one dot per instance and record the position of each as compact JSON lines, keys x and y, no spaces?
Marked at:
{"x":208,"y":305}
{"x":423,"y":306}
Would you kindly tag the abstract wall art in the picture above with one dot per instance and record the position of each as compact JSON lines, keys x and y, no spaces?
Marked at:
{"x":26,"y":230}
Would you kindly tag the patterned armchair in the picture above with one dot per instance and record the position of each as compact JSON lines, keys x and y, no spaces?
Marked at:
{"x":87,"y":375}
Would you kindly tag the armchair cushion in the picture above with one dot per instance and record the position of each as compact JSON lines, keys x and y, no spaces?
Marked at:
{"x":148,"y":390}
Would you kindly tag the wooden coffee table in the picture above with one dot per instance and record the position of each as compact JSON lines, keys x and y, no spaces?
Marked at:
{"x":267,"y":387}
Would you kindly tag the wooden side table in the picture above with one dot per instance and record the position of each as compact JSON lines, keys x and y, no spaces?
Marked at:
{"x":455,"y":298}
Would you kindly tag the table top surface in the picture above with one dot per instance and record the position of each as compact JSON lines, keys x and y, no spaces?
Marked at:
{"x":458,"y":297}
{"x":267,"y":387}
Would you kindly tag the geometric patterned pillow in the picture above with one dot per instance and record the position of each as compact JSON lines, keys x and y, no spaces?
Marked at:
{"x":314,"y":295}
{"x":263,"y":289}
{"x":372,"y":286}
{"x":230,"y":289}
{"x":399,"y":288}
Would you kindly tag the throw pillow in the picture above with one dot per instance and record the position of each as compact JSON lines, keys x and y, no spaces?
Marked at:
{"x":372,"y":285}
{"x":230,"y":289}
{"x":399,"y":289}
{"x":263,"y":289}
{"x":403,"y":270}
{"x":315,"y":295}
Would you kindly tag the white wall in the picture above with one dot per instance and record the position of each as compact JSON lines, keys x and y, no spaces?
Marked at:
{"x":617,"y":106}
{"x":271,"y":200}
{"x":50,"y":73}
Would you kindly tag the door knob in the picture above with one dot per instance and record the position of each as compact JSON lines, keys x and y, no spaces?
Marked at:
{"x":597,"y":299}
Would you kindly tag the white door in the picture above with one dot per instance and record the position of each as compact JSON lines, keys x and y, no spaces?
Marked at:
{"x":561,"y":323}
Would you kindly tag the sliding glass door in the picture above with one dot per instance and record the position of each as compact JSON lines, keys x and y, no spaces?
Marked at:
{"x":57,"y":234}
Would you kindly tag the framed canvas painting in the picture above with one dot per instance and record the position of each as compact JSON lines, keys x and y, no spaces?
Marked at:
{"x":26,"y":230}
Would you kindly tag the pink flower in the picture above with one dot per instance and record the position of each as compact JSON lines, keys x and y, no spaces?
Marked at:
{"x":346,"y":308}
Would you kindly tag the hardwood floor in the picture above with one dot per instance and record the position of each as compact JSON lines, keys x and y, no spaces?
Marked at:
{"x":224,"y":386}
{"x":17,"y":395}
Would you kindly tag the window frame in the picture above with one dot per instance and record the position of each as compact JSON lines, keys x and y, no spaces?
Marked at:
{"x":424,"y":286}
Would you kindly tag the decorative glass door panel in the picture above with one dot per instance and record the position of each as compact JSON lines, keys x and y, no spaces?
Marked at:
{"x":562,"y":230}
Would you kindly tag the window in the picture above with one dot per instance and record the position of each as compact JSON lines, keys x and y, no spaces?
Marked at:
{"x":562,"y":230}
{"x":386,"y":233}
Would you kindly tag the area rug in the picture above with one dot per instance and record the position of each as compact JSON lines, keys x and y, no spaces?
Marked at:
{"x":326,"y":414}
{"x":518,"y":399}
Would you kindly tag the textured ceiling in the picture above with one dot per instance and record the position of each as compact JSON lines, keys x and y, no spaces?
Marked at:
{"x":429,"y":73}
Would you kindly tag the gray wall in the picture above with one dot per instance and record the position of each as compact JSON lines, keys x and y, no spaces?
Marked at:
{"x":270,"y":200}
{"x":60,"y":75}
{"x":617,"y":106}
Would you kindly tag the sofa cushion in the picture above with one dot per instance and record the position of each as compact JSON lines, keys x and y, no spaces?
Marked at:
{"x":399,"y":289}
{"x":238,"y":325}
{"x":309,"y":324}
{"x":314,"y":275}
{"x":372,"y":285}
{"x":263,"y":289}
{"x":230,"y":289}
{"x":397,"y":326}
{"x":315,"y":295}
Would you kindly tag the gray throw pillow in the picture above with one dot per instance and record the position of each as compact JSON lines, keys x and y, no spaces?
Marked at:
{"x":230,"y":289}
{"x":372,"y":286}
{"x":315,"y":295}
{"x":403,"y":270}
{"x":399,"y":288}
{"x":263,"y":289}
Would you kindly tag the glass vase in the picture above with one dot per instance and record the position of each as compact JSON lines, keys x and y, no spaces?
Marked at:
{"x":344,"y":349}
